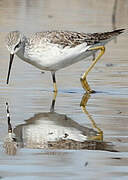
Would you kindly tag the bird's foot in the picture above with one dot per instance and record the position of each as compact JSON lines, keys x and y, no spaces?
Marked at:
{"x":86,"y":86}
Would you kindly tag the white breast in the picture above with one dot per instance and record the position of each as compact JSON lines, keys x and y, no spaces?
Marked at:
{"x":52,"y":57}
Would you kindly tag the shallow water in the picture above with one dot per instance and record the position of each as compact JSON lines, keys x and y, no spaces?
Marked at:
{"x":30,"y":96}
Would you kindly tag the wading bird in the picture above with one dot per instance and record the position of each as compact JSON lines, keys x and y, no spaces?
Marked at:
{"x":54,"y":50}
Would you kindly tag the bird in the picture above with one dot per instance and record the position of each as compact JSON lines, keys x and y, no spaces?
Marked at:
{"x":57,"y":49}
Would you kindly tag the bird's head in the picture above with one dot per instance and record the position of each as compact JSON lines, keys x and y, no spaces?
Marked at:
{"x":14,"y":42}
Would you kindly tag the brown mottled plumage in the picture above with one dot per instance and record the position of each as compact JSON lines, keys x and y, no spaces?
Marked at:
{"x":72,"y":39}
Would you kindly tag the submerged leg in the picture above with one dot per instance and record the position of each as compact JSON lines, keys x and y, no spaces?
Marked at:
{"x":83,"y":80}
{"x":54,"y":82}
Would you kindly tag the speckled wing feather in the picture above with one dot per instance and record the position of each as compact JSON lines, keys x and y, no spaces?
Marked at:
{"x":72,"y":39}
{"x":99,"y":37}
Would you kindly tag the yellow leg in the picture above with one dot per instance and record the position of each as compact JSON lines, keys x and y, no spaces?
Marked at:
{"x":83,"y":105}
{"x":55,"y":87}
{"x":55,"y":94}
{"x":54,"y":82}
{"x":83,"y":79}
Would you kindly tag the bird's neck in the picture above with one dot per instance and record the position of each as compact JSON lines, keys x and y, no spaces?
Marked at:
{"x":20,"y":53}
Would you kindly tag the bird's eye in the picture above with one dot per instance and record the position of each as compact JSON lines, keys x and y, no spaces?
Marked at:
{"x":17,"y":46}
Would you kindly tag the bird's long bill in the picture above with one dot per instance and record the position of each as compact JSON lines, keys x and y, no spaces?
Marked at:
{"x":10,"y":65}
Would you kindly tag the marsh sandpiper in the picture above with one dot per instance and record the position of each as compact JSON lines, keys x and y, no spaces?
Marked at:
{"x":54,"y":50}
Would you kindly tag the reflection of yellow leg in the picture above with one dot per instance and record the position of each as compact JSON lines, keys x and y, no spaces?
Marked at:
{"x":55,"y":94}
{"x":83,"y":79}
{"x":53,"y":102}
{"x":83,"y":106}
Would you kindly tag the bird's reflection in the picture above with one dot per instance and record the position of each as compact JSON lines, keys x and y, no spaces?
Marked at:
{"x":83,"y":104}
{"x":10,"y":143}
{"x":51,"y":130}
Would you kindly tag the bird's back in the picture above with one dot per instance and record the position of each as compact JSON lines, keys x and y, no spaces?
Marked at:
{"x":71,"y":38}
{"x":53,"y":50}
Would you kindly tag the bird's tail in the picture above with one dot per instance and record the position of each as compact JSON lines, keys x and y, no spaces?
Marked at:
{"x":109,"y":35}
{"x":103,"y":38}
